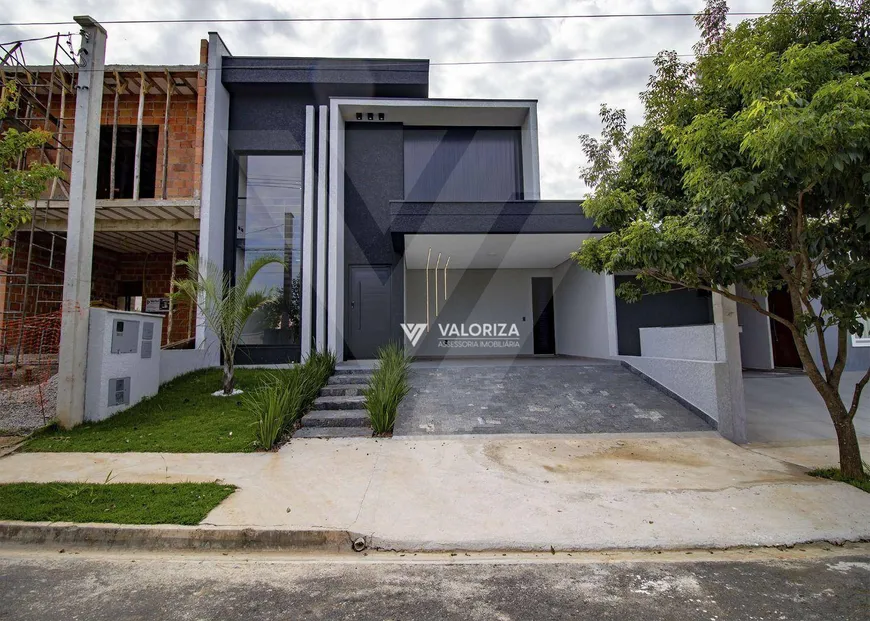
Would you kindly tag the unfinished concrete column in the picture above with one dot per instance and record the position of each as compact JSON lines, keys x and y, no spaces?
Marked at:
{"x":732,"y":421}
{"x":80,"y":237}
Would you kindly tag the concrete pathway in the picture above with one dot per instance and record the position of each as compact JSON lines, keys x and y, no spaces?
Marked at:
{"x":568,"y":397}
{"x":503,"y":492}
{"x":784,"y":407}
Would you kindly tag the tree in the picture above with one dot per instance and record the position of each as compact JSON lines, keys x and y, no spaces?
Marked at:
{"x":19,"y":185}
{"x":226,"y":306}
{"x":752,"y":168}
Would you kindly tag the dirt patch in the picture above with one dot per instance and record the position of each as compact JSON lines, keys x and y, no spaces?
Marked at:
{"x":693,"y":463}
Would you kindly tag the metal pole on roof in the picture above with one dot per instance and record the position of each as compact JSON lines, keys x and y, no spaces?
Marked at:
{"x":137,"y":162}
{"x":170,"y":86}
{"x":437,"y":265}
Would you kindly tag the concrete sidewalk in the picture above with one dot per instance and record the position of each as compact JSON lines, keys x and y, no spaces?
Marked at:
{"x":503,"y":492}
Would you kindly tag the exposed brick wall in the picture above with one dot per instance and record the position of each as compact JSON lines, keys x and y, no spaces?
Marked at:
{"x":110,"y":271}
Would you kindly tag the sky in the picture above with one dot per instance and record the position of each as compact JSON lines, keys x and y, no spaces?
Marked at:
{"x":569,"y":94}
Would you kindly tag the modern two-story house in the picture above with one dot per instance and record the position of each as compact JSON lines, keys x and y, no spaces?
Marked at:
{"x":391,"y":208}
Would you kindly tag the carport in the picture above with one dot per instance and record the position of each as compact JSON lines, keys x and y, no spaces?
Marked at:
{"x":536,"y":396}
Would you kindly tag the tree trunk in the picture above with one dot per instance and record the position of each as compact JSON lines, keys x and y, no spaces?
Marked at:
{"x":229,"y":378}
{"x":851,"y":465}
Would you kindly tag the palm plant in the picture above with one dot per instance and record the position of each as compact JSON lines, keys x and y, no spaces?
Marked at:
{"x":225,"y":306}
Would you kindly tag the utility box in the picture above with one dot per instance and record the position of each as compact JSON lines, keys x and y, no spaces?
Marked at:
{"x":123,"y":361}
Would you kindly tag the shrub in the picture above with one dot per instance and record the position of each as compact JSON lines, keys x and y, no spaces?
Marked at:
{"x":269,"y":403}
{"x":287,"y":395}
{"x":387,"y":387}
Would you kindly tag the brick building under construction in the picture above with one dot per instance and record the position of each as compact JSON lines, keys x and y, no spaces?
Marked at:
{"x":148,"y":197}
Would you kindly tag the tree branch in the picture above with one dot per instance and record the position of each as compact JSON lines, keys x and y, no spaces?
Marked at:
{"x":856,"y":396}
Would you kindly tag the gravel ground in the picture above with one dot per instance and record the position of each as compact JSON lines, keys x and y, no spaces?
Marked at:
{"x":20,"y":408}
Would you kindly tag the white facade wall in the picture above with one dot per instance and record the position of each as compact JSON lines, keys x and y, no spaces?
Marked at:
{"x":582,"y":313}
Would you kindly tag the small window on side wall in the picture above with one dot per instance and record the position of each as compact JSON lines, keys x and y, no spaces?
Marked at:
{"x":863,"y":340}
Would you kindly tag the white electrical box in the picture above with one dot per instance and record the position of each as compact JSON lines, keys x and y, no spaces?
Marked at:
{"x":123,"y":363}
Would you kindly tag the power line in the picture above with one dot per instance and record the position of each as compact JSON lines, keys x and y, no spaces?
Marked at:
{"x":545,"y":60}
{"x":430,"y":18}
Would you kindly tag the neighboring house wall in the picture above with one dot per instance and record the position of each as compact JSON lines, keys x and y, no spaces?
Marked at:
{"x":581,"y":312}
{"x":756,"y":348}
{"x":684,"y":307}
{"x":474,"y":296}
{"x":857,"y":358}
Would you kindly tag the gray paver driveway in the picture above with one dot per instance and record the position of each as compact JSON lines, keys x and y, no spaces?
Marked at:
{"x":529,"y":398}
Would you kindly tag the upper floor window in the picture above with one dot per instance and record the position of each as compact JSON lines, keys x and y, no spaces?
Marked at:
{"x":462,"y":164}
{"x":125,"y":162}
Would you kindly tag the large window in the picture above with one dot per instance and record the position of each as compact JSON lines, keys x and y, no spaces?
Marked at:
{"x":269,"y":222}
{"x":462,"y":164}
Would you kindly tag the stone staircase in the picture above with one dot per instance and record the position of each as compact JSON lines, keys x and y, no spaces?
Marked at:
{"x":338,"y":412}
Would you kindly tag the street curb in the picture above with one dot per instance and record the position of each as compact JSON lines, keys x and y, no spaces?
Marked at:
{"x":167,"y":537}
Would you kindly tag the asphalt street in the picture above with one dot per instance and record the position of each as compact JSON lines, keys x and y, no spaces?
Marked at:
{"x":804,"y":583}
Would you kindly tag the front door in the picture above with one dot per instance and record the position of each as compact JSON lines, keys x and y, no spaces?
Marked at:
{"x":368,"y":310}
{"x":544,"y":331}
{"x":784,"y":351}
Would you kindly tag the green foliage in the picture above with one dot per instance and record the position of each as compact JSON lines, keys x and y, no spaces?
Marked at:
{"x":19,"y":187}
{"x":183,"y":417}
{"x":387,"y":387}
{"x":752,"y":167}
{"x":285,"y":396}
{"x":115,"y":503}
{"x":226,"y":306}
{"x":835,"y":475}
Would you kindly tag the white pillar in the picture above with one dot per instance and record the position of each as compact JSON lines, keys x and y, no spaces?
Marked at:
{"x":335,"y":262}
{"x":214,"y":182}
{"x":322,"y":217}
{"x":308,"y":192}
{"x":72,"y":363}
{"x":732,"y":420}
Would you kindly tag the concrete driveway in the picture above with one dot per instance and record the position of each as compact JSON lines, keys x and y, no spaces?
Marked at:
{"x":537,"y":396}
{"x":784,"y":406}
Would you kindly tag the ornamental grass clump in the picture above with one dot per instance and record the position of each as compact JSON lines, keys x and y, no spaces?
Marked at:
{"x":387,"y":387}
{"x":286,"y":396}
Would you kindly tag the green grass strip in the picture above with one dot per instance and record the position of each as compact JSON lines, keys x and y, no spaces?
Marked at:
{"x":183,"y":417}
{"x":116,"y":503}
{"x":835,"y":475}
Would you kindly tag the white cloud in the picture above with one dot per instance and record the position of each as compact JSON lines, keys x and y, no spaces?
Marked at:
{"x":569,"y":94}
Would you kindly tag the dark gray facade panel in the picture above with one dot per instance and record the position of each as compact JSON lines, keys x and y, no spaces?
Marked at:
{"x":462,"y":164}
{"x":687,"y":307}
{"x":373,"y":160}
{"x":400,"y":78}
{"x":508,"y":217}
{"x":267,"y":121}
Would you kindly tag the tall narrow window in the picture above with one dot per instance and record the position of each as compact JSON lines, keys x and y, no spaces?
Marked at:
{"x":269,"y":222}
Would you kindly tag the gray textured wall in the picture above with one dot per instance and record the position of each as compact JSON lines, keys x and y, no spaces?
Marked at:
{"x":857,"y":358}
{"x":675,"y":308}
{"x":373,"y":177}
{"x":462,"y":164}
{"x":756,"y":350}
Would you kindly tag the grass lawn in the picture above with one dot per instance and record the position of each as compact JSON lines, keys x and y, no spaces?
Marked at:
{"x":834,"y":475}
{"x":182,"y":418}
{"x":117,"y":503}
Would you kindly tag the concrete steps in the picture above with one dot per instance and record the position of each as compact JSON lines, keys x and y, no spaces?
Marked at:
{"x":342,"y":390}
{"x":339,"y":410}
{"x":344,"y":402}
{"x":333,"y":432}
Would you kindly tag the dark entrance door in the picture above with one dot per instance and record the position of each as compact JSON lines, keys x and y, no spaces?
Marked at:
{"x":368,"y":310}
{"x":544,"y":331}
{"x":784,"y":351}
